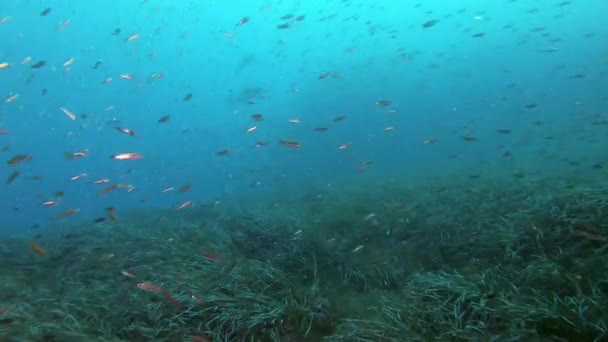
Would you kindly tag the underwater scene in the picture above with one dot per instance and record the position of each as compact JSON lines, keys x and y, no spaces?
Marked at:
{"x":303,"y":170}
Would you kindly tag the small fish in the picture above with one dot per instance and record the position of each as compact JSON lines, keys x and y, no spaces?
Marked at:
{"x":39,"y":250}
{"x":97,"y":64}
{"x":127,"y":77}
{"x":133,"y":37}
{"x":38,"y":65}
{"x":243,"y":21}
{"x":3,"y":132}
{"x":69,"y":62}
{"x":45,"y":12}
{"x":185,"y":188}
{"x":222,"y":152}
{"x":111,"y":213}
{"x":127,"y":156}
{"x":13,"y":177}
{"x":77,"y":177}
{"x":4,"y":65}
{"x":18,"y":158}
{"x":323,"y":75}
{"x":151,"y":288}
{"x":287,"y":16}
{"x":383,"y":103}
{"x":320,"y":129}
{"x":344,"y":146}
{"x":116,"y":32}
{"x":76,"y":155}
{"x":99,"y":220}
{"x":257,"y":117}
{"x":211,"y":256}
{"x":469,"y":138}
{"x":503,"y":131}
{"x":67,"y":213}
{"x":110,"y":188}
{"x":125,"y":131}
{"x":164,"y":119}
{"x":128,"y":273}
{"x":290,"y":143}
{"x":50,"y":203}
{"x":283,"y":26}
{"x":188,"y":97}
{"x":430,"y":23}
{"x":184,"y":205}
{"x":251,"y":129}
{"x":68,"y":113}
{"x":339,"y":118}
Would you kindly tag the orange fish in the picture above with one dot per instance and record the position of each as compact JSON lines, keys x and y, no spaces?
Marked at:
{"x":67,"y":213}
{"x":109,"y":188}
{"x":39,"y":250}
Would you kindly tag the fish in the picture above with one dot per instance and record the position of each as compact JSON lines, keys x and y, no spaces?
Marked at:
{"x":13,"y":176}
{"x":157,"y":289}
{"x":4,"y":65}
{"x":45,"y":12}
{"x":320,"y":129}
{"x":75,"y":155}
{"x":67,"y":213}
{"x":257,"y":117}
{"x":111,"y":213}
{"x":18,"y":158}
{"x":38,"y":250}
{"x":188,"y":97}
{"x":127,"y":156}
{"x":211,"y":256}
{"x":290,"y":143}
{"x":133,"y":37}
{"x":125,"y":131}
{"x":243,"y":21}
{"x":68,"y":113}
{"x":185,"y":188}
{"x":3,"y":132}
{"x":383,"y":103}
{"x":38,"y":65}
{"x":430,"y":23}
{"x":184,"y":205}
{"x":164,"y":119}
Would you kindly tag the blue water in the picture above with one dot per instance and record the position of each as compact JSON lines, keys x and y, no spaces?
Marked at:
{"x":442,"y":82}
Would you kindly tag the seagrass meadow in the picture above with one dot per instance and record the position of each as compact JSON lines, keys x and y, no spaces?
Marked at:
{"x":503,"y":259}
